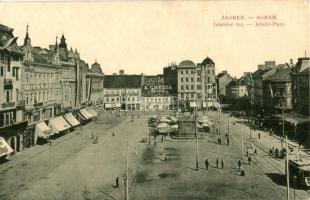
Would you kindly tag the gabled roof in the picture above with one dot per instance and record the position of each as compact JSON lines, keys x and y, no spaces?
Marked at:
{"x":207,"y":61}
{"x":281,"y":75}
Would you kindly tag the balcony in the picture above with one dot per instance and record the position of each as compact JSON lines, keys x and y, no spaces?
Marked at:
{"x":8,"y":105}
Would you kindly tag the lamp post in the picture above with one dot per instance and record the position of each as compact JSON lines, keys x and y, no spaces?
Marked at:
{"x":241,"y":136}
{"x":287,"y":172}
{"x":196,"y":135}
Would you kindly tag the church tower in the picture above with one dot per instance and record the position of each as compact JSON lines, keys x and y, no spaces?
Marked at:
{"x":27,"y":47}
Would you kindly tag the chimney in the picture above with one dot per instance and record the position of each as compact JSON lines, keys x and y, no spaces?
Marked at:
{"x":261,"y":67}
{"x":121,"y":72}
{"x":291,"y":61}
{"x":270,"y":64}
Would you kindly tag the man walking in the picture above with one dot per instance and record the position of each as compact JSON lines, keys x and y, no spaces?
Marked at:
{"x":117,"y":182}
{"x":258,"y":135}
{"x":239,"y":164}
{"x":207,"y":164}
{"x":222,"y":163}
{"x":217,"y":162}
{"x":249,"y":159}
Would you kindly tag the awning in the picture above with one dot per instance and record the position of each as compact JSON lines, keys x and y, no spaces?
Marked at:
{"x":4,"y":147}
{"x":71,"y":119}
{"x":92,"y":112}
{"x":42,"y":130}
{"x":85,"y":114}
{"x":58,"y":124}
{"x":108,"y":105}
{"x":117,"y":105}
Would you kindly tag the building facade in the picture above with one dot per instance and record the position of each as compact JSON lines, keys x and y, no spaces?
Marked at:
{"x":222,"y":80}
{"x":277,"y":89}
{"x":300,"y":85}
{"x":12,"y":124}
{"x":122,"y":91}
{"x":196,"y":83}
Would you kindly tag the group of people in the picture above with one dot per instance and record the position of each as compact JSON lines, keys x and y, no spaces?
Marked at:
{"x":216,"y":162}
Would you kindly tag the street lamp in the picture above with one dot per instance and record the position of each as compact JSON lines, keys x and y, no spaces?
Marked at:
{"x":241,"y":136}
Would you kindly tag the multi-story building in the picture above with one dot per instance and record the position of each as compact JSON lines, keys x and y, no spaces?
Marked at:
{"x":237,"y":89}
{"x":258,"y":77}
{"x":196,"y":83}
{"x":41,"y":82}
{"x":122,"y":91}
{"x":154,"y":86}
{"x":171,"y":78}
{"x":300,"y":86}
{"x":154,"y":103}
{"x":12,"y":122}
{"x":277,"y":90}
{"x":95,"y":85}
{"x":222,"y":80}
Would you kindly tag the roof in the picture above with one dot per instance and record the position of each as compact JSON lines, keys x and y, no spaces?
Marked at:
{"x":207,"y":61}
{"x":281,"y":75}
{"x":187,"y":63}
{"x":123,"y":81}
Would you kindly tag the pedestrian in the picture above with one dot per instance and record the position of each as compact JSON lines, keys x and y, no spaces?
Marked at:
{"x":228,"y":141}
{"x":242,"y":173}
{"x":117,"y":182}
{"x":222,"y":163}
{"x":113,"y":134}
{"x":249,"y":159}
{"x":50,"y":142}
{"x":270,"y":132}
{"x":258,"y":135}
{"x":162,"y":138}
{"x":255,"y":152}
{"x":155,"y":143}
{"x":217,"y":162}
{"x":247,"y":152}
{"x":207,"y":164}
{"x":239,"y":164}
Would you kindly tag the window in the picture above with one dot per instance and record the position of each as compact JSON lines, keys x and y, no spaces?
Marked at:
{"x":182,"y":79}
{"x":181,"y":71}
{"x":187,"y":87}
{"x":198,"y":79}
{"x":192,"y":72}
{"x":1,"y":72}
{"x":192,"y":79}
{"x":192,"y":87}
{"x":14,"y":71}
{"x":186,"y":79}
{"x":208,"y":80}
{"x":198,"y":72}
{"x":186,"y":72}
{"x":208,"y":71}
{"x":199,"y":87}
{"x":182,"y":87}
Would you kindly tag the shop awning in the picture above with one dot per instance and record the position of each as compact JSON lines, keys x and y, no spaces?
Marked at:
{"x":117,"y":105}
{"x":92,"y":112}
{"x":85,"y":114}
{"x":58,"y":124}
{"x":4,"y":147}
{"x":71,"y":119}
{"x":108,"y":105}
{"x":42,"y":130}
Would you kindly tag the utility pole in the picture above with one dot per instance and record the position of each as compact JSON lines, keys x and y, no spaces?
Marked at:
{"x":282,"y":127}
{"x":228,"y":126}
{"x":197,"y":151}
{"x":126,"y":176}
{"x":287,"y":171}
{"x":241,"y":137}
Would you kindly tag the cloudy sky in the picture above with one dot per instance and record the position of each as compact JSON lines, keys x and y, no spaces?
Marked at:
{"x":143,"y":37}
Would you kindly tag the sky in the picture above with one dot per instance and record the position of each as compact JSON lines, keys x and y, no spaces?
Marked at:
{"x":144,"y":37}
